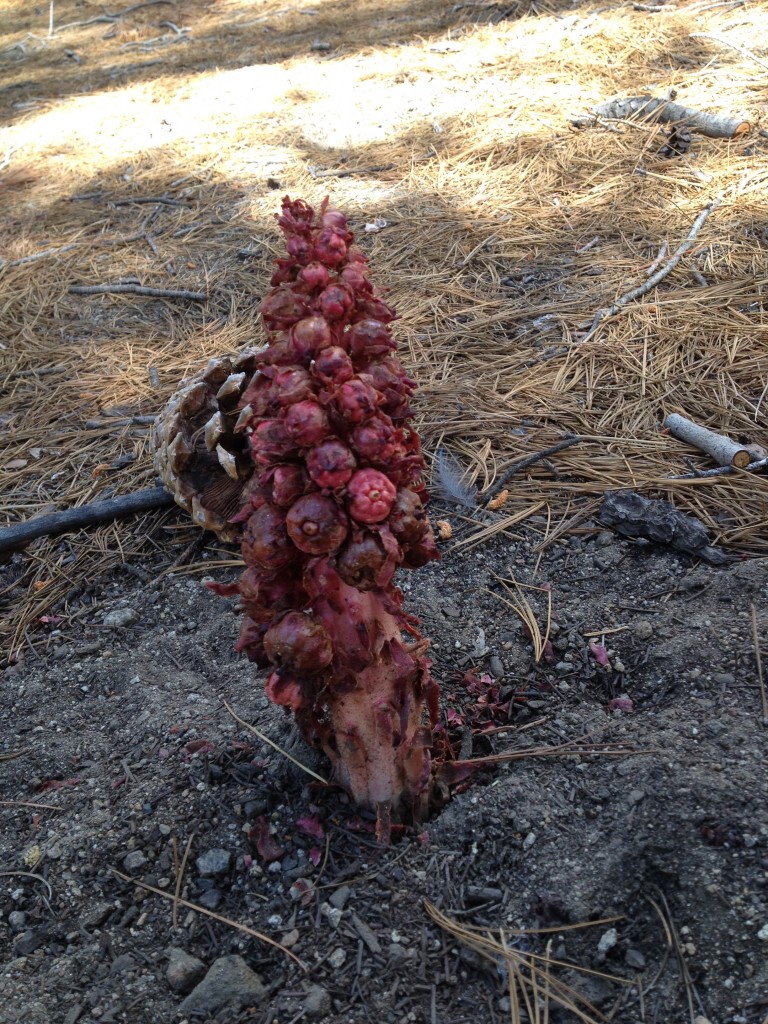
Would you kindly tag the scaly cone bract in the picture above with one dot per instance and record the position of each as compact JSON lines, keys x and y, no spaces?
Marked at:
{"x":334,"y":508}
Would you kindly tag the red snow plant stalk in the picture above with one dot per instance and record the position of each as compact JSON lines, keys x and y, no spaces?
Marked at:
{"x":334,"y":508}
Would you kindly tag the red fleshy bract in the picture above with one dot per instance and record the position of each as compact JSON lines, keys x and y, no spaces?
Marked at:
{"x":307,"y":423}
{"x":370,"y":496}
{"x":298,"y":642}
{"x":368,"y":338}
{"x":356,"y":400}
{"x":316,"y":524}
{"x":265,"y":539}
{"x":266,"y":845}
{"x":333,"y":366}
{"x":310,"y":336}
{"x":282,"y":308}
{"x":331,"y":464}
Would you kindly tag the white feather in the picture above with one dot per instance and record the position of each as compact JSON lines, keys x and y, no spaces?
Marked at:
{"x":449,"y":480}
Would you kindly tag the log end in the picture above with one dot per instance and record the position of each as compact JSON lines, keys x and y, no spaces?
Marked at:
{"x":741,"y":459}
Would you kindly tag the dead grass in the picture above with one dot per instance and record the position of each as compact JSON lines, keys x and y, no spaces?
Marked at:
{"x":506,"y":232}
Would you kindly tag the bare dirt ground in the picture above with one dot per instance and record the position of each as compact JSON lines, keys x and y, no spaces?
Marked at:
{"x":125,"y":746}
{"x":152,"y":846}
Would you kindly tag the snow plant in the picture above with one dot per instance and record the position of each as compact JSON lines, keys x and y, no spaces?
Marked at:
{"x":334,"y":507}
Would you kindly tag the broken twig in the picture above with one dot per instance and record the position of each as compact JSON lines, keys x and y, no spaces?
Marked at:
{"x":136,"y":289}
{"x":96,"y":512}
{"x":649,"y":108}
{"x":753,"y":467}
{"x":734,"y":46}
{"x":723,"y":450}
{"x":109,"y":19}
{"x":658,"y":276}
{"x":531,"y":460}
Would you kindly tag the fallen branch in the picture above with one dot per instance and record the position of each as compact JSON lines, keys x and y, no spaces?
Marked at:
{"x":109,"y":19}
{"x":723,"y":450}
{"x":20,"y":534}
{"x":140,"y":200}
{"x":658,"y":276}
{"x":136,"y":289}
{"x":37,"y":256}
{"x":348,"y":172}
{"x":531,"y":460}
{"x":203,"y":910}
{"x":649,"y":108}
{"x":734,"y":46}
{"x":704,"y":474}
{"x":126,"y":421}
{"x":43,"y":371}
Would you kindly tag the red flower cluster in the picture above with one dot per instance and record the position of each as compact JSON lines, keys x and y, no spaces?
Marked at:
{"x":334,"y":507}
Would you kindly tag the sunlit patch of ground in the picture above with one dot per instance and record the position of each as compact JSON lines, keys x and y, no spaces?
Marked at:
{"x":504,"y":228}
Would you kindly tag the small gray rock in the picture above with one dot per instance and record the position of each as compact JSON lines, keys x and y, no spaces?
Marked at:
{"x":17,"y":921}
{"x":317,"y":1001}
{"x":134,"y":860}
{"x":337,"y":958}
{"x":184,"y":971}
{"x":214,"y":862}
{"x":604,"y":539}
{"x":28,"y":942}
{"x":635,"y":796}
{"x":124,"y":962}
{"x":340,"y":896}
{"x":634,"y":958}
{"x":210,"y":899}
{"x":724,"y":678}
{"x":642,"y":629}
{"x":121,"y":617}
{"x":230,"y":980}
{"x":607,"y":941}
{"x":496,"y":666}
{"x":96,"y":917}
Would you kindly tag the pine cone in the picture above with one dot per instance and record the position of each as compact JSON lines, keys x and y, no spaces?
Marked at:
{"x":201,"y":452}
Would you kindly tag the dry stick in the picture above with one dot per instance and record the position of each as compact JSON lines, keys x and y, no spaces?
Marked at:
{"x":43,"y":371}
{"x":38,"y":256}
{"x":723,"y":450}
{"x":139,"y":200}
{"x":734,"y":46}
{"x":654,"y":279}
{"x":110,"y":18}
{"x":208,"y":913}
{"x":704,"y":474}
{"x":759,"y":663}
{"x":518,"y":467}
{"x":271,"y":743}
{"x":649,"y":108}
{"x":179,"y":878}
{"x":350,"y":171}
{"x":27,"y":803}
{"x":135,"y":289}
{"x":107,"y":424}
{"x":96,"y":512}
{"x":29,"y":874}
